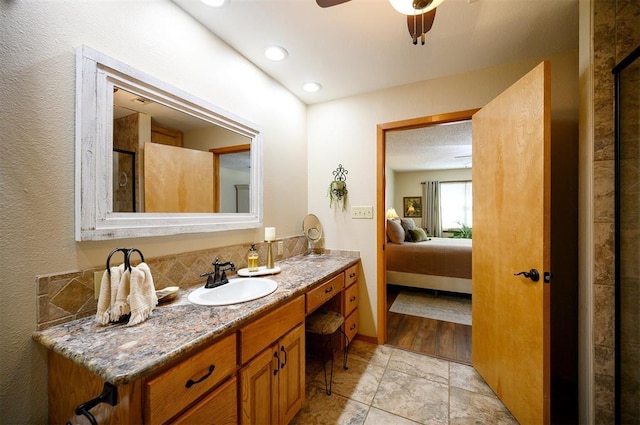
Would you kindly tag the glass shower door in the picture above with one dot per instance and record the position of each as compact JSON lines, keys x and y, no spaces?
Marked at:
{"x":627,"y":239}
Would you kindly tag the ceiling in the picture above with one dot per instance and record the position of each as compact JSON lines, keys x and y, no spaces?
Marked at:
{"x":439,"y":147}
{"x":364,"y":45}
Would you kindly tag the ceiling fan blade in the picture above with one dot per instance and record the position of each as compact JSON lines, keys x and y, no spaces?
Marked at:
{"x":329,"y":3}
{"x":419,"y":30}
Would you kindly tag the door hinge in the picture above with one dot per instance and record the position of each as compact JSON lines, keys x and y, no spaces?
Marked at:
{"x":547,"y":277}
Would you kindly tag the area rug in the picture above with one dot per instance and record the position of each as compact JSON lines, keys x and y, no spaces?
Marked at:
{"x":447,"y":308}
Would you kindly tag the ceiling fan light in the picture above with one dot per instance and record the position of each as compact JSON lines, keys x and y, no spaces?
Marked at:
{"x":215,"y":3}
{"x":276,"y":53}
{"x":311,"y":87}
{"x":406,"y":7}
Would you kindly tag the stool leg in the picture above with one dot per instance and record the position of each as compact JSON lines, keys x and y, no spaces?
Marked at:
{"x":328,"y":383}
{"x":345,"y":352}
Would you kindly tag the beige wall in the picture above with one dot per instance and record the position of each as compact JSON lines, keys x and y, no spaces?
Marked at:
{"x":37,"y":93}
{"x":344,"y":132}
{"x":408,"y":184}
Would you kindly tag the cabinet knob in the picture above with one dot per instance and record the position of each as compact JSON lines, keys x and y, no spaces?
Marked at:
{"x":352,"y":299}
{"x":328,"y":290}
{"x":353,"y":327}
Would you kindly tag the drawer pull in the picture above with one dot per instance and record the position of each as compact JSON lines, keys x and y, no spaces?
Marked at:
{"x":353,"y":327}
{"x":352,"y":275}
{"x":190,"y":383}
{"x":328,"y":290}
{"x":285,"y":356}
{"x":275,"y":354}
{"x":352,"y":299}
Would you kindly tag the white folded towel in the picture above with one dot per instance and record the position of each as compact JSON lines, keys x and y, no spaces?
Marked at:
{"x":120,"y":302}
{"x":108,"y":289}
{"x":142,"y":296}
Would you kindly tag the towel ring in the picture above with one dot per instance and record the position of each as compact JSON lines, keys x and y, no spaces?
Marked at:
{"x":123,"y":250}
{"x":127,"y":261}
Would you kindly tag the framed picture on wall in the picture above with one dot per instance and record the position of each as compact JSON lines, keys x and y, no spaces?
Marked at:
{"x":412,"y":206}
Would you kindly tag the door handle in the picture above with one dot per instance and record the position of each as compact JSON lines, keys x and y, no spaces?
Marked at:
{"x":532,"y":274}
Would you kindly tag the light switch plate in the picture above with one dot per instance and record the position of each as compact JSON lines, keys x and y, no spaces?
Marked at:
{"x":362,"y":212}
{"x":97,"y":279}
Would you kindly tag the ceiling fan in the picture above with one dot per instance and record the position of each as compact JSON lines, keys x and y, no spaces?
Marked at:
{"x":420,"y":14}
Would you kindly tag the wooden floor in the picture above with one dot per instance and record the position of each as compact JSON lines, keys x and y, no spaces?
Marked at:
{"x":451,"y":341}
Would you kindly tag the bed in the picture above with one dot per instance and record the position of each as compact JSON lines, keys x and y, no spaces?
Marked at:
{"x":437,"y":263}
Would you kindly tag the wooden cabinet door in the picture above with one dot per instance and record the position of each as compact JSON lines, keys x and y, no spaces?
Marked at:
{"x":291,"y":374}
{"x":259,"y":389}
{"x":219,"y":408}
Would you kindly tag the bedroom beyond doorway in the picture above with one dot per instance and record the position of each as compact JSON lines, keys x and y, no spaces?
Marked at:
{"x":442,"y":338}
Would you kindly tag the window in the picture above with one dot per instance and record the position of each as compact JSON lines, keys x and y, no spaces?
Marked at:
{"x":455,"y":204}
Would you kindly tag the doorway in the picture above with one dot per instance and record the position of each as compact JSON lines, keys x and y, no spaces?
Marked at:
{"x":381,"y":202}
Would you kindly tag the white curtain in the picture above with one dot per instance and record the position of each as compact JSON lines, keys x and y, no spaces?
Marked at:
{"x":431,"y":219}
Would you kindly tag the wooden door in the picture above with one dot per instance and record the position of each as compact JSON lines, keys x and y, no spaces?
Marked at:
{"x":177,"y":179}
{"x":291,"y":374}
{"x":511,"y":233}
{"x":259,"y":389}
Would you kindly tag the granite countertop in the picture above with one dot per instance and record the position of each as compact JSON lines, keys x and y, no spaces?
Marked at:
{"x":120,"y":354}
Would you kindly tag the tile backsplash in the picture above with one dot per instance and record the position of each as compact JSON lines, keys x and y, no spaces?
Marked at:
{"x":67,"y":296}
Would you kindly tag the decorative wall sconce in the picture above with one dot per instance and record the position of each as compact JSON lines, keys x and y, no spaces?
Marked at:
{"x":337,"y":191}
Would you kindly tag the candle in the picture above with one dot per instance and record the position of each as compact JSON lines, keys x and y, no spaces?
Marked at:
{"x":269,"y":234}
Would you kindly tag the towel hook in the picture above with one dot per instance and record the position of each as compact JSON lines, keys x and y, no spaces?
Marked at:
{"x":124,"y":252}
{"x":127,"y":261}
{"x":109,"y":395}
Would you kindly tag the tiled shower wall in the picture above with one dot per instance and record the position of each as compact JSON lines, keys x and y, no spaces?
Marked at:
{"x":63,"y":297}
{"x":615,"y":34}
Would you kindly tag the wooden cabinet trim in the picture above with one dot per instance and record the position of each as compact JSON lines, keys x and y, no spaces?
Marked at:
{"x":220,"y":406}
{"x":318,"y":296}
{"x":351,"y":275}
{"x":258,"y":334}
{"x":172,"y":391}
{"x":351,"y":295}
{"x":352,"y":325}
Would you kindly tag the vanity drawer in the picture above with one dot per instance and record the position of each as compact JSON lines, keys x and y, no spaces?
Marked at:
{"x":320,"y":295}
{"x":219,"y":407}
{"x":172,"y":391}
{"x":352,"y":324}
{"x":350,"y":299}
{"x":264,"y":331}
{"x":351,"y":275}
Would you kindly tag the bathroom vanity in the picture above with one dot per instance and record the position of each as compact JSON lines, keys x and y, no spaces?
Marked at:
{"x":242,"y":363}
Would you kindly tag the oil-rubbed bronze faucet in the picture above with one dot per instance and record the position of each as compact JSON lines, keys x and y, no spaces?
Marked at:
{"x":218,"y":276}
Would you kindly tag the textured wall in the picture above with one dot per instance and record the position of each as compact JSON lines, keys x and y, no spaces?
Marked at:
{"x":615,"y":33}
{"x":38,"y":39}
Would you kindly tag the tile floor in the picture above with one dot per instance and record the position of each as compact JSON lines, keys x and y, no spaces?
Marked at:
{"x":386,"y":385}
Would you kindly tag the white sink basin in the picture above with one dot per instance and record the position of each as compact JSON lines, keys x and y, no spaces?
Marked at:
{"x":236,"y":291}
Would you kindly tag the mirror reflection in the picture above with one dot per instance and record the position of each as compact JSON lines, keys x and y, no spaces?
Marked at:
{"x":167,"y":161}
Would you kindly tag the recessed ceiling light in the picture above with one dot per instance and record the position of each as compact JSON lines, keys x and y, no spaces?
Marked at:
{"x":276,"y":53}
{"x":311,"y":87}
{"x":215,"y":3}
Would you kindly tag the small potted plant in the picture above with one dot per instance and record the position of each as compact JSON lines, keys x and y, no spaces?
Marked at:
{"x":337,"y":192}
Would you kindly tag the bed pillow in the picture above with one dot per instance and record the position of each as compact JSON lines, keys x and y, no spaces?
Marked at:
{"x":395,"y":232}
{"x":407,"y":224}
{"x":418,"y":235}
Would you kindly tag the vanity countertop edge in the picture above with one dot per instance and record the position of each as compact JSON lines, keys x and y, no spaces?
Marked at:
{"x":121,"y":354}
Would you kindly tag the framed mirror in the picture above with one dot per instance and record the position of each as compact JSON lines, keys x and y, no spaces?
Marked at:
{"x":153,"y":160}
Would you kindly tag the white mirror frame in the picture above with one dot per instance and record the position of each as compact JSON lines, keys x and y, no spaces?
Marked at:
{"x":96,"y":75}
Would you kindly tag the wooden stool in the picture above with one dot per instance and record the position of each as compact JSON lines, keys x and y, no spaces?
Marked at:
{"x":325,"y":324}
